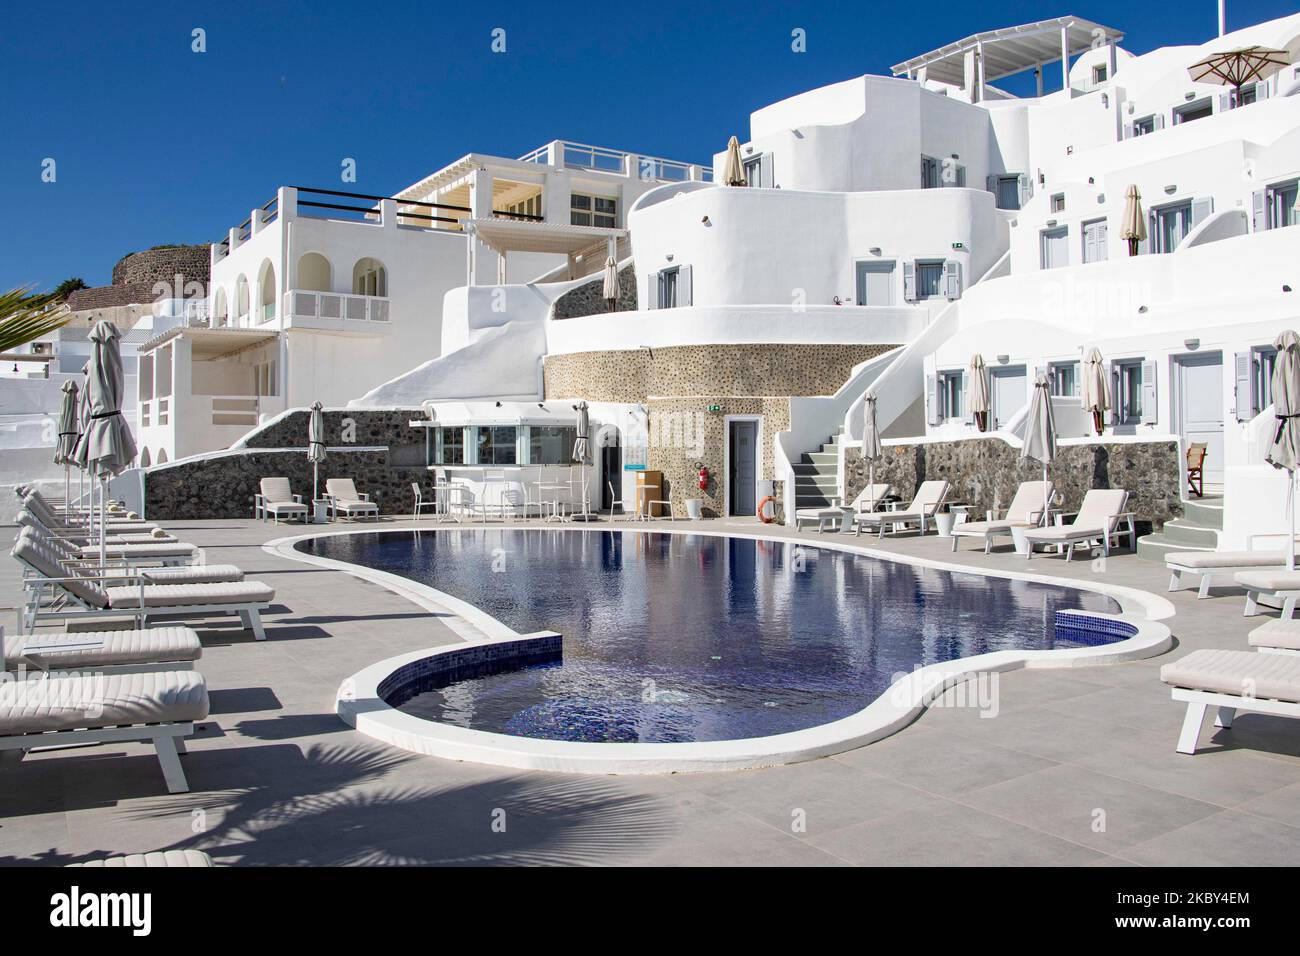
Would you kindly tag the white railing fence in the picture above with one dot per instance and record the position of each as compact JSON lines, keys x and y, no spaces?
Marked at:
{"x":303,"y":304}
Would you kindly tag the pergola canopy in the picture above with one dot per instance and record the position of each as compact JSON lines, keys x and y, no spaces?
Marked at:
{"x":1011,"y":50}
{"x":512,"y":235}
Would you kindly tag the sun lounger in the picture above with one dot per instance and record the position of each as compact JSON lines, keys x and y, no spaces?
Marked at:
{"x":1099,"y":518}
{"x":28,"y":519}
{"x":343,"y":497}
{"x":53,"y":520}
{"x":1229,"y":681}
{"x":158,"y":858}
{"x":1276,"y":637}
{"x":157,"y":706}
{"x":1025,"y":511}
{"x":277,"y":501}
{"x":867,"y":501}
{"x":921,"y":510}
{"x":155,"y":648}
{"x":1279,"y":584}
{"x":71,"y":555}
{"x":92,"y":595}
{"x":1186,"y":565}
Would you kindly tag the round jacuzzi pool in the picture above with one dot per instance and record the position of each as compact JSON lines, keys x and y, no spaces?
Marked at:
{"x":671,"y":638}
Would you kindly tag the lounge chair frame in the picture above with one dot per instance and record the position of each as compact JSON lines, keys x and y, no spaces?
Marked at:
{"x":167,"y":739}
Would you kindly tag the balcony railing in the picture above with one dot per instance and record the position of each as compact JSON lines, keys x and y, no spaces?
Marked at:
{"x":302,"y":304}
{"x":584,"y":156}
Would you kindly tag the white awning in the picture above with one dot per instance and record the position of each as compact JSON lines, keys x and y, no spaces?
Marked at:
{"x":1011,"y":50}
{"x":521,"y":235}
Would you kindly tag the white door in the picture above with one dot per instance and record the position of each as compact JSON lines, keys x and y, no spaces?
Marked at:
{"x":876,"y":283}
{"x":1200,"y":407}
{"x":1009,"y":393}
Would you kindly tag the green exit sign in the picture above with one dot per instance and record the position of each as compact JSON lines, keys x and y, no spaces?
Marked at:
{"x":959,"y":245}
{"x":715,"y":408}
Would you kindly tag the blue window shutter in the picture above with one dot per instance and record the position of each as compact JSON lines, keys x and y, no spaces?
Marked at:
{"x":685,"y":291}
{"x":1158,"y":121}
{"x":1225,"y":102}
{"x":1150,"y":411}
{"x":1116,"y":394}
{"x":1201,"y":210}
{"x":991,"y":184}
{"x":933,"y":407}
{"x":1026,"y":189}
{"x":1128,"y":130}
{"x":1245,"y":401}
{"x":652,"y":285}
{"x":1258,"y":210}
{"x":909,"y":281}
{"x":1261,"y":90}
{"x":766,"y":172}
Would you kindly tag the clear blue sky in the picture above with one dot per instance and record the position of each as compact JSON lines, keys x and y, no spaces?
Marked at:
{"x":156,"y":144}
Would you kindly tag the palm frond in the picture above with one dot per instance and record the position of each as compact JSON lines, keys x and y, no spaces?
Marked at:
{"x":25,"y":318}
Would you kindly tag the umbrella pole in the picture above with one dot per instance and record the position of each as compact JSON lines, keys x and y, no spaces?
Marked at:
{"x":1290,"y":548}
{"x":1047,"y":497}
{"x":315,"y":481}
{"x":67,"y":490}
{"x":103,"y":524}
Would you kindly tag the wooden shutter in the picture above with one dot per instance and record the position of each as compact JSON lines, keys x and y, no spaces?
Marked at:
{"x":685,"y":293}
{"x":933,"y":407}
{"x":951,"y":279}
{"x":1245,"y":401}
{"x":909,"y":281}
{"x":1150,"y":413}
{"x":1259,"y":210}
{"x":652,"y":287}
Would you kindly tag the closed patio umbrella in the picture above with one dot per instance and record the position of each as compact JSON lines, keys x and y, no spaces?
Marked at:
{"x":733,"y":170}
{"x":66,"y":445}
{"x":106,"y":447}
{"x":978,"y":393}
{"x":1133,"y":227}
{"x":1095,"y":389}
{"x":610,"y":289}
{"x":1284,"y":451}
{"x":582,"y":455}
{"x":315,"y":447}
{"x":872,"y":451}
{"x":1040,"y":433}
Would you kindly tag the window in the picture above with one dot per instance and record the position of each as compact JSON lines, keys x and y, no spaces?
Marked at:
{"x":1128,"y":396}
{"x":592,"y":211}
{"x":451,"y":445}
{"x":1063,"y":378}
{"x":1281,"y":199}
{"x":1262,"y":360}
{"x":532,"y":206}
{"x":1058,"y":202}
{"x":668,"y":288}
{"x":264,"y":377}
{"x":1198,"y":109}
{"x":551,"y":444}
{"x":1055,"y":247}
{"x":929,"y":279}
{"x":1145,"y":125}
{"x":1008,"y":192}
{"x":951,"y":395}
{"x":1169,"y":225}
{"x":1094,"y":241}
{"x":930,"y":178}
{"x":496,"y":444}
{"x":758,"y":171}
{"x":1098,"y":75}
{"x":369,"y":277}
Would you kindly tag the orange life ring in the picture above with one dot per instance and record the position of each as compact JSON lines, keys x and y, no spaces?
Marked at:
{"x":763,"y":504}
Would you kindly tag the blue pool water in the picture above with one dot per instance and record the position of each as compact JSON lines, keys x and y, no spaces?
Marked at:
{"x":673,"y":638}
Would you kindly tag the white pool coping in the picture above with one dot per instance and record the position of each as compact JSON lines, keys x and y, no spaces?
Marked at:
{"x":358,"y":703}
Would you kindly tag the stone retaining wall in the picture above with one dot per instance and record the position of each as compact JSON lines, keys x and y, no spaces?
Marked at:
{"x":984,"y":473}
{"x":587,"y":299}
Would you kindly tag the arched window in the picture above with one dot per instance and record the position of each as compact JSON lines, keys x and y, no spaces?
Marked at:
{"x":162,"y":456}
{"x":369,"y":277}
{"x":220,"y":310}
{"x":314,"y":273}
{"x":241,"y":299}
{"x":144,"y":457}
{"x":266,"y":296}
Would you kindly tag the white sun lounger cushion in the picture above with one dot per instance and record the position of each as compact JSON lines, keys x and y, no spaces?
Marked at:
{"x":984,"y":527}
{"x":1226,"y":559}
{"x":160,"y":858}
{"x":101,"y":700}
{"x":200,"y":574}
{"x":343,"y":504}
{"x":139,"y":550}
{"x":184,"y":595}
{"x":1280,"y":580}
{"x":1239,"y":673}
{"x":1276,"y":633}
{"x":1064,"y":532}
{"x":147,"y":646}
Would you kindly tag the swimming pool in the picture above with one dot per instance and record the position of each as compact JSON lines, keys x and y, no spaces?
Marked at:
{"x":687,"y":638}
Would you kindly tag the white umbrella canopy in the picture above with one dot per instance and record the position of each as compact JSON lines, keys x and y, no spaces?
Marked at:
{"x":733,"y":170}
{"x":1133,"y":227}
{"x":1040,"y":432}
{"x":582,"y":453}
{"x":1095,"y":389}
{"x":315,"y":446}
{"x":1240,"y":66}
{"x":66,"y":445}
{"x":1284,"y":451}
{"x":610,"y":290}
{"x":978,"y":392}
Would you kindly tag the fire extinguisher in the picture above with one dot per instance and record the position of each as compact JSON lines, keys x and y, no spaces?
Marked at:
{"x":704,"y":477}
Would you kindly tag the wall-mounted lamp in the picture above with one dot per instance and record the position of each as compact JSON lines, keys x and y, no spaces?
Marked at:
{"x":1192,"y":344}
{"x":498,"y":404}
{"x":1286,"y":288}
{"x":706,"y":222}
{"x":749,"y":149}
{"x":1003,"y":359}
{"x":1189,"y":96}
{"x":955,"y":156}
{"x":874,"y":250}
{"x":1142,"y":309}
{"x":1105,"y":101}
{"x":1051,"y":223}
{"x":541,"y":406}
{"x":669,"y":257}
{"x":1101,"y":198}
{"x":1171,"y":189}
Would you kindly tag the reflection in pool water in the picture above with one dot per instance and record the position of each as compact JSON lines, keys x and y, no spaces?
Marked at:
{"x":672,"y":638}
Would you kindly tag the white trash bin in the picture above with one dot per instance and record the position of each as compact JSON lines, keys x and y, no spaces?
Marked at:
{"x":695,"y":508}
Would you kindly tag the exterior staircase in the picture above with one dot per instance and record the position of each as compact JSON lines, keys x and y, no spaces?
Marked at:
{"x":816,"y":476}
{"x":1197,"y":530}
